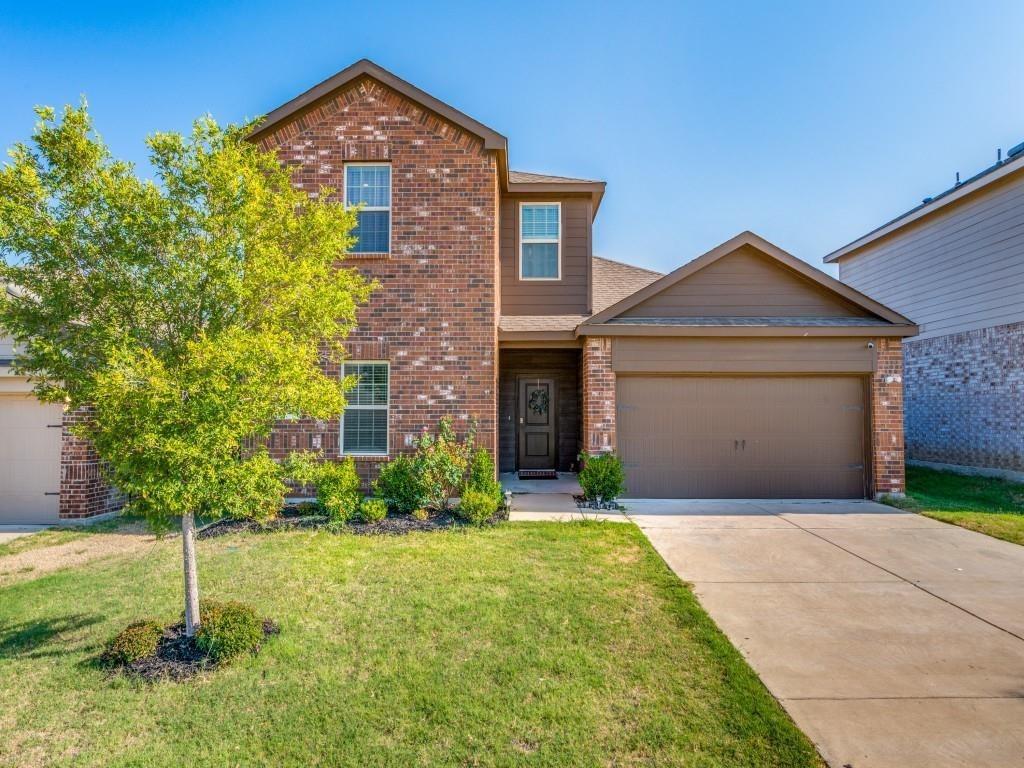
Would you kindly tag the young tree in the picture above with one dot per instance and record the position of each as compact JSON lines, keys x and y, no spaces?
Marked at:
{"x":186,"y":313}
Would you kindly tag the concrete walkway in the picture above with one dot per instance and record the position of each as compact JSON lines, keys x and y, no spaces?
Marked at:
{"x":12,"y":532}
{"x":556,"y":507}
{"x":891,"y":639}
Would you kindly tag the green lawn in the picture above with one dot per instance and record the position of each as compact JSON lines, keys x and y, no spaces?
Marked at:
{"x":525,"y":644}
{"x":984,"y":504}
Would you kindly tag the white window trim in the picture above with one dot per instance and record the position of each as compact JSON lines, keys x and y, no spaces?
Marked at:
{"x":557,"y":241}
{"x":386,"y":408}
{"x":389,"y":208}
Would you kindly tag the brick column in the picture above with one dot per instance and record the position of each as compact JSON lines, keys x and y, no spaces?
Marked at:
{"x":887,"y":447}
{"x":598,"y":396}
{"x":83,"y":490}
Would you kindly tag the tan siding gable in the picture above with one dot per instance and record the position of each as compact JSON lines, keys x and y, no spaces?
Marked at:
{"x":745,"y":283}
{"x":960,"y":270}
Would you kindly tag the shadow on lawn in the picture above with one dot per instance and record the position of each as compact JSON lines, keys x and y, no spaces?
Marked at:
{"x":35,"y":639}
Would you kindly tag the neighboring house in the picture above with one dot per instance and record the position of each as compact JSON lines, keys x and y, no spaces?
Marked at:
{"x":745,"y":373}
{"x":46,"y":474}
{"x":955,"y":264}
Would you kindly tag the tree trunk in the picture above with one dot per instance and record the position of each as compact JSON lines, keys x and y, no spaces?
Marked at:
{"x":188,"y":549}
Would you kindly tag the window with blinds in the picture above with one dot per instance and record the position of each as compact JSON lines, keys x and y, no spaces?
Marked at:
{"x":369,"y":185}
{"x":540,"y":240}
{"x":364,"y":425}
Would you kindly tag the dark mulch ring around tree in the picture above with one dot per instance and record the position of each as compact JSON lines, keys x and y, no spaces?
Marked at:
{"x":177,"y":656}
{"x":295,"y":516}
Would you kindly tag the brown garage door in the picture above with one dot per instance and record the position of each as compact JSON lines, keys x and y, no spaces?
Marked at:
{"x":707,"y":437}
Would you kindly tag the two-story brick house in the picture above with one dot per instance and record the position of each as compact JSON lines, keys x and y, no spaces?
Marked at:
{"x":744,"y":373}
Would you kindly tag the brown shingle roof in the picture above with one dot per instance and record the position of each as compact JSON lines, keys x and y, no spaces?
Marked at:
{"x":524,"y":177}
{"x":540,"y":322}
{"x":614,"y":281}
{"x":810,"y":322}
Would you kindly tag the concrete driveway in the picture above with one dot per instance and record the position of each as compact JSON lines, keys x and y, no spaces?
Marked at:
{"x":891,"y":639}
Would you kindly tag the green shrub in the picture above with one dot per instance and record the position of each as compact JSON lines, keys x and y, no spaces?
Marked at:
{"x":441,"y":462}
{"x":134,"y":642}
{"x":602,"y":476}
{"x":227,"y":630}
{"x":477,"y":507}
{"x":337,"y":483}
{"x":373,"y":510}
{"x":420,"y":513}
{"x":399,"y":486}
{"x":482,"y":477}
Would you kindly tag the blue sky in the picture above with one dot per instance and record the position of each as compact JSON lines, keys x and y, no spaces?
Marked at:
{"x":809,"y":123}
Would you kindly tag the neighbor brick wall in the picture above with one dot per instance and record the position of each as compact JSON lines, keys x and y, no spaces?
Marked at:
{"x":83,"y":491}
{"x":598,"y":395}
{"x":887,"y":456}
{"x":965,"y":398}
{"x":434,"y":317}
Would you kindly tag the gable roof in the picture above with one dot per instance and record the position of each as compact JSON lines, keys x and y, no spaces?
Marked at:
{"x":886,"y":317}
{"x":1000,"y":170}
{"x":366,"y":68}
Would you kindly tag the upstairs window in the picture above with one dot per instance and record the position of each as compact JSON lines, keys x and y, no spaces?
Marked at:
{"x":369,"y":185}
{"x":540,"y":241}
{"x":364,"y":425}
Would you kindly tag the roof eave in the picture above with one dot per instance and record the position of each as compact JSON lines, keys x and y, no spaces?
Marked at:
{"x":593,"y":188}
{"x":564,"y":335}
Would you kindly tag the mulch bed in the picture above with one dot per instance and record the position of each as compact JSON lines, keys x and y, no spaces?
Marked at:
{"x":177,"y":657}
{"x":297,"y":516}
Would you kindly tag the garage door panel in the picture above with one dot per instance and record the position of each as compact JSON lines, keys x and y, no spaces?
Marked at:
{"x":742,"y":436}
{"x":30,"y":440}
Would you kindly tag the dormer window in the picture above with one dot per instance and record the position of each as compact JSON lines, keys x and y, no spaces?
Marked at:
{"x":369,"y":185}
{"x":540,"y":241}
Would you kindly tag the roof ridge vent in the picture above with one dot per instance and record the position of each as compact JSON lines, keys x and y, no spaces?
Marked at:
{"x":1014,"y":151}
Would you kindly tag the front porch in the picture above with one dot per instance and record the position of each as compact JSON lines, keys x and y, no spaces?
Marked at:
{"x":564,"y":483}
{"x":539,"y":414}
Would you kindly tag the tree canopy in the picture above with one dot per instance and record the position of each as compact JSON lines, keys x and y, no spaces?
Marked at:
{"x":188,"y":311}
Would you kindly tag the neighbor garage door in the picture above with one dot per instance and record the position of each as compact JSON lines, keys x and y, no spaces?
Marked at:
{"x":742,"y":436}
{"x":30,"y":437}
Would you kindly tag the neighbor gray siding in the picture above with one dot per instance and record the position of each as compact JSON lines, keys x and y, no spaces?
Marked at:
{"x":959,"y":270}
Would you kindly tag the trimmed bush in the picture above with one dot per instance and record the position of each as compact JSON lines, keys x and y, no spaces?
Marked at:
{"x":602,"y":476}
{"x":228,"y":630}
{"x":134,"y":642}
{"x":337,"y":483}
{"x":399,"y":486}
{"x":420,"y":513}
{"x":482,"y":477}
{"x":373,"y":510}
{"x":441,"y":462}
{"x":477,"y":507}
{"x":338,"y":489}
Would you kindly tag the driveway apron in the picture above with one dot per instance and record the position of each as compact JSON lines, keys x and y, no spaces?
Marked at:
{"x":890,"y":638}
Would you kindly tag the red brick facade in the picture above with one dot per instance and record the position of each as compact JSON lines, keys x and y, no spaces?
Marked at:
{"x":434,"y":317}
{"x":887,"y":446}
{"x":598,"y":395}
